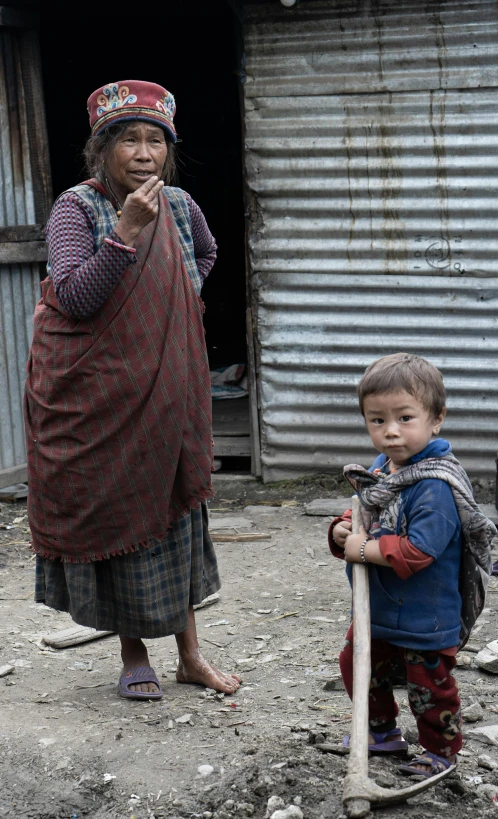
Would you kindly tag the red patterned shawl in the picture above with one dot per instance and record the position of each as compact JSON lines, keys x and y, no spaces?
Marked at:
{"x":118,"y":409}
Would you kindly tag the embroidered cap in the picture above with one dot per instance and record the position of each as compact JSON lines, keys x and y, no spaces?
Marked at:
{"x":131,"y":100}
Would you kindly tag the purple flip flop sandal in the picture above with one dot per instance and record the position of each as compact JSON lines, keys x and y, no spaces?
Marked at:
{"x":383,"y":745}
{"x":142,"y":674}
{"x":438,"y":764}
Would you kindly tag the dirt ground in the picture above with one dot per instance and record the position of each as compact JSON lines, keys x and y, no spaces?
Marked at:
{"x":71,"y":748}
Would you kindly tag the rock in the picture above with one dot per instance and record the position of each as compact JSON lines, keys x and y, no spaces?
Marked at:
{"x":488,"y":657}
{"x":246,"y":663}
{"x":489,"y":791}
{"x":486,"y":762}
{"x":473,"y":648}
{"x":216,"y":623}
{"x":244,"y":808}
{"x":410,"y":733}
{"x":6,"y":669}
{"x":332,"y":748}
{"x":183,"y":719}
{"x":327,"y":507}
{"x":456,"y":786}
{"x":274,"y":803}
{"x":488,"y":734}
{"x":384,"y":779}
{"x":335,"y":684}
{"x":205,"y":770}
{"x":473,"y":713}
{"x":464,"y":660}
{"x":292,"y":812}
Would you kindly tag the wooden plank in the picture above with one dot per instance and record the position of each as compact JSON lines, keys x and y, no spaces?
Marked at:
{"x":237,"y":446}
{"x":31,"y":70}
{"x":22,"y":233}
{"x":13,"y":475}
{"x":72,"y":636}
{"x":22,"y":252}
{"x":231,"y":417}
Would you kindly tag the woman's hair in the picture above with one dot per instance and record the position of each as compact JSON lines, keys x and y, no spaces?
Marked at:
{"x":99,"y":147}
{"x":403,"y":371}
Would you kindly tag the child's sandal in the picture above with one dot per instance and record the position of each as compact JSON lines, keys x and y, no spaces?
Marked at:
{"x":391,"y":742}
{"x":438,"y":764}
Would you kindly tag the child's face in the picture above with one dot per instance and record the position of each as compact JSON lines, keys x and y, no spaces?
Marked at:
{"x":399,"y":425}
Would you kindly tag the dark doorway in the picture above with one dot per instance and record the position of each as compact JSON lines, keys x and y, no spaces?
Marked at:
{"x":191,"y":48}
{"x":194,"y":56}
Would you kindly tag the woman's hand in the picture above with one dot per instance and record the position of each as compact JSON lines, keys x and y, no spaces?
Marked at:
{"x":139,"y":209}
{"x":340,"y":532}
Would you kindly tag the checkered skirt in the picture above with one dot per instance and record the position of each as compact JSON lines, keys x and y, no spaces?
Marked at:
{"x":145,"y":593}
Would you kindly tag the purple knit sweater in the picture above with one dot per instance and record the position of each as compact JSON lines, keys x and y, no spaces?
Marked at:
{"x":83,"y":279}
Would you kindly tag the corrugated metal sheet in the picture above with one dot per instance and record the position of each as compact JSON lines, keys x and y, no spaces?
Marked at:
{"x":19,"y":292}
{"x":19,"y":283}
{"x":372,"y":168}
{"x":370,"y":45}
{"x":17,"y":204}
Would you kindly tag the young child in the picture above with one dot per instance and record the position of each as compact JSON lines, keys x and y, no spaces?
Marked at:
{"x":427,"y":547}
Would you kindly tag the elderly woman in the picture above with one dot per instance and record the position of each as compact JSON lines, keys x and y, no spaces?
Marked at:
{"x":118,"y":401}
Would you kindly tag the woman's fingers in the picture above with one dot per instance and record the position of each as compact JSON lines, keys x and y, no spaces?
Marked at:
{"x":150,"y":188}
{"x":151,"y":195}
{"x":149,"y":184}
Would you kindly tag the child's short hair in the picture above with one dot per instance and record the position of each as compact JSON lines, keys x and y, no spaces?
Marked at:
{"x":403,"y":371}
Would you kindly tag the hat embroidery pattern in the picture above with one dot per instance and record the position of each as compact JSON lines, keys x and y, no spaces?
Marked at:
{"x":167,"y":105}
{"x":114,"y":97}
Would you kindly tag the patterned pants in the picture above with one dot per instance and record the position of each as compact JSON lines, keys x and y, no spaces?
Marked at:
{"x":432,"y":692}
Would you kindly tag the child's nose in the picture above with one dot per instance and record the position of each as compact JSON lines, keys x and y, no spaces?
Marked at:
{"x":392,"y":429}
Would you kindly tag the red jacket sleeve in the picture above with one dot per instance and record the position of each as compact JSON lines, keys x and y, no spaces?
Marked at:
{"x":403,"y":556}
{"x":334,"y":548}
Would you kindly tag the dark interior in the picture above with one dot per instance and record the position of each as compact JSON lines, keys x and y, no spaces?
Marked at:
{"x":191,"y":48}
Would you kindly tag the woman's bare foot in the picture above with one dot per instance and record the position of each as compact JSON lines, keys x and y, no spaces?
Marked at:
{"x":193,"y":668}
{"x":196,"y":669}
{"x":134,"y":654}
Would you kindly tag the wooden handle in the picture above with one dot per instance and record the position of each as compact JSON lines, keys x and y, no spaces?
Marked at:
{"x":358,"y":757}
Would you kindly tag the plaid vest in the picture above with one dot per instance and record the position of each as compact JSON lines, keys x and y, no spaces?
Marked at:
{"x":106,"y":220}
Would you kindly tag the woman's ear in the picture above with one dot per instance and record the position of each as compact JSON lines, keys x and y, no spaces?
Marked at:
{"x":438,"y":422}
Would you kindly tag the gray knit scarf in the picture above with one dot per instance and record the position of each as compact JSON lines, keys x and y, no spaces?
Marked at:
{"x":379,"y":496}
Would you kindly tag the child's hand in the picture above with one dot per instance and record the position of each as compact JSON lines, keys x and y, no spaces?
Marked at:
{"x":340,"y":532}
{"x":352,"y":545}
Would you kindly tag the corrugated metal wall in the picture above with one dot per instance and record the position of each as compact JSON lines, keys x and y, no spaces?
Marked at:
{"x":371,"y":156}
{"x":24,"y":196}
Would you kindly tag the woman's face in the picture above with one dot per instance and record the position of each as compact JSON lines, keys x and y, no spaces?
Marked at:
{"x":139,"y":153}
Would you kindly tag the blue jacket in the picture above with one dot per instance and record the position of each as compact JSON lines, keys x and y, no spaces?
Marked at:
{"x":422,"y":612}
